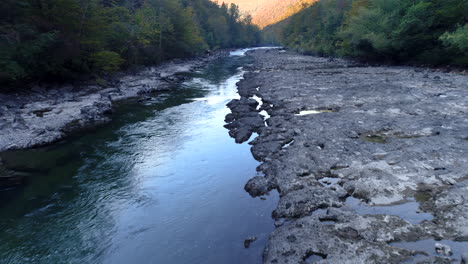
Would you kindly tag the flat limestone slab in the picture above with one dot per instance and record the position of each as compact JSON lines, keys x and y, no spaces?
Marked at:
{"x":384,"y":135}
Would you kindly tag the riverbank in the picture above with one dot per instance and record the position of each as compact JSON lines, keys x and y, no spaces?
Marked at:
{"x":45,"y":115}
{"x":368,"y":161}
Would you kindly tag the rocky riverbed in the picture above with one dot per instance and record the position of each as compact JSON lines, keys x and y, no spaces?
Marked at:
{"x":368,"y":161}
{"x":47,"y":114}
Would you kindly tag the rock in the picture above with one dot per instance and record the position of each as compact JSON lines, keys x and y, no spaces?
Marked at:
{"x":280,"y":222}
{"x":249,"y":241}
{"x":411,"y":132}
{"x":257,"y":186}
{"x":303,"y":237}
{"x":41,"y":112}
{"x":229,"y":118}
{"x":443,"y":249}
{"x":96,"y":110}
{"x":241,"y":135}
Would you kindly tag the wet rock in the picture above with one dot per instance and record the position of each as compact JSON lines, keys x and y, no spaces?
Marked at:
{"x":241,"y":134}
{"x":229,"y":118}
{"x":249,"y":241}
{"x":244,"y":119}
{"x":96,"y":110}
{"x":280,"y":222}
{"x":258,"y":186}
{"x":443,"y":249}
{"x":41,"y":112}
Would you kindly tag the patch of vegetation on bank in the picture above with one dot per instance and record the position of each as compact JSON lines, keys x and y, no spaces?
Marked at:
{"x":432,"y":32}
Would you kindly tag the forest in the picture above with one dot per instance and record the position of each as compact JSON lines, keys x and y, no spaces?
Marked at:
{"x":56,"y":40}
{"x":423,"y":32}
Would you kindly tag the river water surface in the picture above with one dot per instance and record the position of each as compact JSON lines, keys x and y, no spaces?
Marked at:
{"x":162,"y":183}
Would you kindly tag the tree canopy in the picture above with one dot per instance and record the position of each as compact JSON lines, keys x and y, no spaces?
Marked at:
{"x":65,"y":39}
{"x":420,"y":31}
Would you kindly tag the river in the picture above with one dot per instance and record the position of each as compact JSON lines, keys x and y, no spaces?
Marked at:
{"x":162,"y":183}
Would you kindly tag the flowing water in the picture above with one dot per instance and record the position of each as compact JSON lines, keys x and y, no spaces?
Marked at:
{"x":162,"y":183}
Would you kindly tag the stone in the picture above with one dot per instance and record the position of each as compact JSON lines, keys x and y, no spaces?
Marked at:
{"x":249,"y":241}
{"x":443,"y":249}
{"x":257,"y":186}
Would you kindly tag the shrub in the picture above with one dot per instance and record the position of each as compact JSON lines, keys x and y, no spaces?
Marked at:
{"x":105,"y":62}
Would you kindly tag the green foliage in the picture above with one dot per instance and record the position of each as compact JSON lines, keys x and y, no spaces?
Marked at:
{"x":106,"y":61}
{"x":223,"y":27}
{"x":418,"y":31}
{"x":370,"y":32}
{"x":63,"y":39}
{"x":314,"y":30}
{"x":457,"y":39}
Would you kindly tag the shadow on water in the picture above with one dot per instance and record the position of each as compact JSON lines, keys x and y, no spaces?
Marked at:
{"x":162,"y":183}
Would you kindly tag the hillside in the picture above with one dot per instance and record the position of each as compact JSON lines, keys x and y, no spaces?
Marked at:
{"x":60,"y":40}
{"x":399,"y":31}
{"x":267,"y":12}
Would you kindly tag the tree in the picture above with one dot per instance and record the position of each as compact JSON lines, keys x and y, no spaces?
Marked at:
{"x":66,"y":39}
{"x":418,"y":31}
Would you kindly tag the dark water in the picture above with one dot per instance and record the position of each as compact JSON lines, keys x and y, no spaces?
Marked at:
{"x":162,"y":183}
